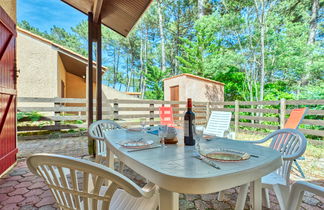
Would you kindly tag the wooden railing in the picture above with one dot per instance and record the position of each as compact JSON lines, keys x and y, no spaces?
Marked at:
{"x":70,"y":113}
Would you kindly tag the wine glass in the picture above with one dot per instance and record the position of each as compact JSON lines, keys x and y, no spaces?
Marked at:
{"x":143,"y":123}
{"x":198,"y":134}
{"x":162,"y":134}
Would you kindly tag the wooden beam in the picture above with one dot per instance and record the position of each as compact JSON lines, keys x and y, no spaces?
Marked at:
{"x":99,"y":73}
{"x":97,"y":5}
{"x":90,"y":80}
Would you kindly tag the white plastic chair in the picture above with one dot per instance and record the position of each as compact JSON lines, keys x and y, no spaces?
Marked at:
{"x":219,"y":124}
{"x":80,"y":184}
{"x":297,"y":193}
{"x":291,"y":143}
{"x":96,"y":131}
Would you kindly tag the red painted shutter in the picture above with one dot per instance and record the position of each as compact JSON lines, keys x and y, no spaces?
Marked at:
{"x":8,"y":144}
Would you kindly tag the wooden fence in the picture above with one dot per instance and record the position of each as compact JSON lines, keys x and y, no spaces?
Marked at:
{"x":70,"y":113}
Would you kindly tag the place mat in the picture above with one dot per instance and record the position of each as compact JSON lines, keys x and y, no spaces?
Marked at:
{"x":136,"y":144}
{"x":208,"y":137}
{"x":226,"y":155}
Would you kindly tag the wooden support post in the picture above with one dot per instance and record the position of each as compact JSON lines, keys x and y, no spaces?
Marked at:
{"x":151,"y":115}
{"x":91,"y":146}
{"x":99,"y":73}
{"x":116,"y":117}
{"x":237,"y":115}
{"x":57,"y":113}
{"x":282,"y":113}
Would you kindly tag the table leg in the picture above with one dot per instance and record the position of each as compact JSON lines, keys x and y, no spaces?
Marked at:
{"x":111,"y":159}
{"x":168,"y":200}
{"x":257,"y":194}
{"x":241,"y":198}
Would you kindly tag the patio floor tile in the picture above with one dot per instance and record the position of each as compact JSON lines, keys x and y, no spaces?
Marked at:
{"x":35,"y":192}
{"x":6,"y":190}
{"x":23,"y":184}
{"x":37,"y":185}
{"x":45,"y":202}
{"x":30,"y":200}
{"x":13,"y":199}
{"x":19,"y":191}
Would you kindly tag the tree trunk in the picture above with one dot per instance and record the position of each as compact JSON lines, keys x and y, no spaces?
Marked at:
{"x":117,"y":67}
{"x":114,"y":68}
{"x":201,"y":8}
{"x":142,"y":65}
{"x":159,"y":9}
{"x":262,"y":25}
{"x":313,"y":22}
{"x":311,"y":40}
{"x":145,"y":63}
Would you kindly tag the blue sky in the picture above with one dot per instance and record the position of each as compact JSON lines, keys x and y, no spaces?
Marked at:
{"x":43,"y":14}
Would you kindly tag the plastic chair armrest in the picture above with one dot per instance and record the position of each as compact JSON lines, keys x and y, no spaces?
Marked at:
{"x":149,"y":189}
{"x":297,"y":192}
{"x":309,"y":187}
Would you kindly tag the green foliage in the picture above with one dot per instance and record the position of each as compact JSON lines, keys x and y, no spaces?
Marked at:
{"x":59,"y":36}
{"x":154,"y":82}
{"x":32,"y":116}
{"x":224,"y":45}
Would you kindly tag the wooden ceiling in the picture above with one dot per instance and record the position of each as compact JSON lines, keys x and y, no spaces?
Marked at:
{"x":118,"y":15}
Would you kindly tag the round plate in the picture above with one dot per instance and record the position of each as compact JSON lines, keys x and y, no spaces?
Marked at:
{"x":227,"y":155}
{"x":134,"y":129}
{"x":136,"y":144}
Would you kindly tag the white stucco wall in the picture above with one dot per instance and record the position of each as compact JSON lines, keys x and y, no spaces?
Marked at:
{"x":198,"y":90}
{"x":37,"y":66}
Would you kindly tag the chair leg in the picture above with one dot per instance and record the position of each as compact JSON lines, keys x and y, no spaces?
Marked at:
{"x":300,"y":170}
{"x":265,"y":197}
{"x":241,"y":199}
{"x":282,"y":193}
{"x":121,"y":167}
{"x":221,"y":195}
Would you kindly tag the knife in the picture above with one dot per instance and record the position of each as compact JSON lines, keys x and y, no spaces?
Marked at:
{"x":207,"y":161}
{"x":146,"y":148}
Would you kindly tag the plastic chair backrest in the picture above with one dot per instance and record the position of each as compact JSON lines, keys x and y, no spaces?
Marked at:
{"x":295,"y":118}
{"x":166,"y":116}
{"x":218,"y":123}
{"x":291,"y":143}
{"x":96,"y":131}
{"x":80,"y":184}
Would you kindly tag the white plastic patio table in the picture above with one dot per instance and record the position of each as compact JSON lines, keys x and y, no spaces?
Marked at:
{"x":175,"y":170}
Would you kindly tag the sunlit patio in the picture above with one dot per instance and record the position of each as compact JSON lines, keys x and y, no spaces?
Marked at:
{"x":184,"y":141}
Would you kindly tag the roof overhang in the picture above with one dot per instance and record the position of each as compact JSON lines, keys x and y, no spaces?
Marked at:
{"x":118,"y":15}
{"x":195,"y":77}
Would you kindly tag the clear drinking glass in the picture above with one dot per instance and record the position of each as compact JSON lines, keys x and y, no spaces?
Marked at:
{"x":143,"y":123}
{"x":162,"y":134}
{"x":198,"y":134}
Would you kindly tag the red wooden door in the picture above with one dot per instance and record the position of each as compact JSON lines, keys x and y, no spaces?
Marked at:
{"x":8,"y":144}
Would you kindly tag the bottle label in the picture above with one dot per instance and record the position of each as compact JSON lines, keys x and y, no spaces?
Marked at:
{"x":186,"y":128}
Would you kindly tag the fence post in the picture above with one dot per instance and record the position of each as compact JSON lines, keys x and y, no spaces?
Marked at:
{"x":151,"y":114}
{"x":116,"y":117}
{"x":237,"y":115}
{"x":57,"y":113}
{"x":282,"y":112}
{"x":207,"y":111}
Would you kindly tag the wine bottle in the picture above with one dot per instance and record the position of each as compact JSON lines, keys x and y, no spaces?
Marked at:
{"x":189,"y":120}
